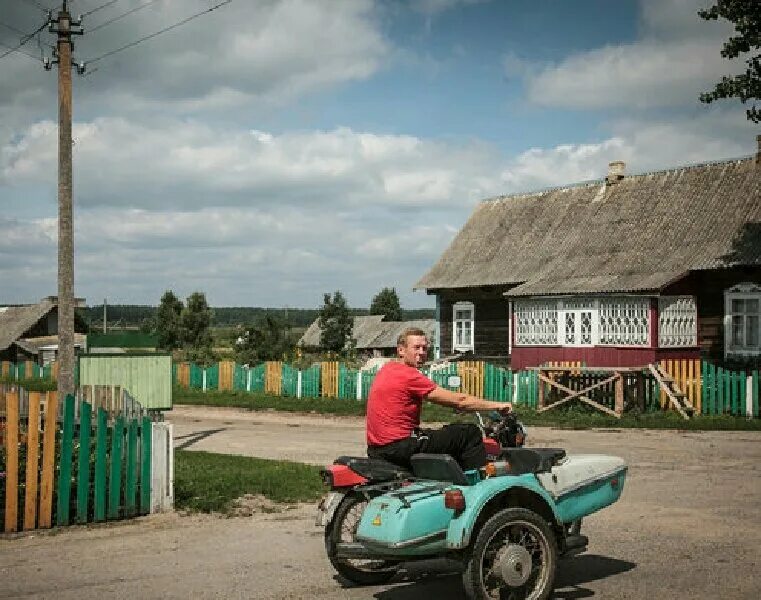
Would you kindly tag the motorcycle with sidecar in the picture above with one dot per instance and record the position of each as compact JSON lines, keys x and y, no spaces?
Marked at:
{"x":507,"y":523}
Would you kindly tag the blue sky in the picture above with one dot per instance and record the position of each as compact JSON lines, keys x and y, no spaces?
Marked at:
{"x":270,"y":152}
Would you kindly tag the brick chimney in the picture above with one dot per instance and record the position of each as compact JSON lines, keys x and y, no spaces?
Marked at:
{"x":615,"y":172}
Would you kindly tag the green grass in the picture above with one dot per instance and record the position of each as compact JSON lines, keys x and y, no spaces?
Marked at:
{"x":32,"y":385}
{"x":208,"y":482}
{"x":573,"y":417}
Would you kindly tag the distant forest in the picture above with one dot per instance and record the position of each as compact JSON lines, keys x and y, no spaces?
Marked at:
{"x":134,"y":315}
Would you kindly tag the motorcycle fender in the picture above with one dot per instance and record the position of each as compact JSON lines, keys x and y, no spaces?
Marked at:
{"x":477,"y":496}
{"x":327,"y":508}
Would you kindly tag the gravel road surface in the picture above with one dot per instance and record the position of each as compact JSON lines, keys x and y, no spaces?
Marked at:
{"x":688,"y":526}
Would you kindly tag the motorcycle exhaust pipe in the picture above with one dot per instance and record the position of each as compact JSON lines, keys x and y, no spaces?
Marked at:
{"x":357,"y":550}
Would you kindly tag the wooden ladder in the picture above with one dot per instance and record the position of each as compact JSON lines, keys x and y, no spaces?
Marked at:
{"x":676,"y":396}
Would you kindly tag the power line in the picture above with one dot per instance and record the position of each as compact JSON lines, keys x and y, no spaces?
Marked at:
{"x":24,"y":40}
{"x":97,"y":8}
{"x":121,"y":16}
{"x":21,"y":51}
{"x":153,"y":35}
{"x":37,"y":5}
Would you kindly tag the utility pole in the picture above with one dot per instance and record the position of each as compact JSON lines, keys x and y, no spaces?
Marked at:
{"x":64,"y":47}
{"x":105,"y":321}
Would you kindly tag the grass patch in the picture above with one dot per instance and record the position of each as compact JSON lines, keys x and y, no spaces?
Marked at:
{"x":32,"y":385}
{"x":209,"y":482}
{"x":572,"y":417}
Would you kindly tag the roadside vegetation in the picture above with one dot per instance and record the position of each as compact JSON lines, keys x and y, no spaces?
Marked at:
{"x":209,"y":482}
{"x":573,"y":417}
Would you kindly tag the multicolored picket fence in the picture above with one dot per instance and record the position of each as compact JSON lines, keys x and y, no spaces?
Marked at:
{"x":711,"y":389}
{"x":94,"y":457}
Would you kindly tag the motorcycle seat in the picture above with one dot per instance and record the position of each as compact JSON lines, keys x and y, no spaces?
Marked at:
{"x":375,"y":470}
{"x":532,"y":460}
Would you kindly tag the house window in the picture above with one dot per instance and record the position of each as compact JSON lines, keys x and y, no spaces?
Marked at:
{"x":624,"y":321}
{"x":463,"y":321}
{"x":580,"y":322}
{"x":677,"y":322}
{"x":742,"y":319}
{"x":536,"y":322}
{"x":619,"y":321}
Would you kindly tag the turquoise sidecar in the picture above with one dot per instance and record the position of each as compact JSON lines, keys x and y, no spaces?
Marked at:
{"x":507,"y":523}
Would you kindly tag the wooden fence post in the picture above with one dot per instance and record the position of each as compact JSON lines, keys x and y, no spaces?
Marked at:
{"x":11,"y":469}
{"x":32,"y":461}
{"x":64,"y":474}
{"x":48,"y":460}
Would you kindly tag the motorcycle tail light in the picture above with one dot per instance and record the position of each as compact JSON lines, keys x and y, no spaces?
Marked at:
{"x":454,"y":499}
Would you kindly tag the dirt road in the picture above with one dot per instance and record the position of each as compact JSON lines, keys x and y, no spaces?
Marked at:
{"x":687,"y":526}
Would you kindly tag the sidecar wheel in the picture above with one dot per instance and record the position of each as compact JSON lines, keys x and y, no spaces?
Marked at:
{"x":343,"y":529}
{"x":515,"y":557}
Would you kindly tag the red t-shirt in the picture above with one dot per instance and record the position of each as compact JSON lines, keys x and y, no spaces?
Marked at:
{"x":394,"y":402}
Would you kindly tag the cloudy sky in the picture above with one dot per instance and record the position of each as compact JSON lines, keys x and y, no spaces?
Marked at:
{"x":273,"y":150}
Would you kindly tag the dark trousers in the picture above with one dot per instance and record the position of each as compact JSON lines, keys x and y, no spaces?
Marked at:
{"x":463,"y":441}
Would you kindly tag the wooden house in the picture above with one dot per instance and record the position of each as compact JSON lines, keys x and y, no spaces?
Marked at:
{"x":30,"y":331}
{"x":623,"y":271}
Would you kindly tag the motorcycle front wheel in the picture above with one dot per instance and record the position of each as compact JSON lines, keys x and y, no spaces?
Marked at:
{"x":514,"y":558}
{"x":343,"y":528}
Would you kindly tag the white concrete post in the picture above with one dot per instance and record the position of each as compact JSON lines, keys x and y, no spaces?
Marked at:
{"x":359,"y":385}
{"x":204,"y":379}
{"x":749,"y":396}
{"x":162,"y":467}
{"x":298,"y":384}
{"x":515,"y":387}
{"x":248,"y":380}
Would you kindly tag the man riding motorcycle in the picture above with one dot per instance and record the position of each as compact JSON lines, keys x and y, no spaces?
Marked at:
{"x":394,"y":405}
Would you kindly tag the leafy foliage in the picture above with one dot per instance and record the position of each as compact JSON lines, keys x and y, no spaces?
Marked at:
{"x":167,"y":323}
{"x":335,"y":322}
{"x":386,"y":302}
{"x":266,"y":339}
{"x":745,"y":15}
{"x":195,"y":320}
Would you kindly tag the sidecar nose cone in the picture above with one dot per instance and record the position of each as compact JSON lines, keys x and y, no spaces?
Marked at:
{"x":515,"y":565}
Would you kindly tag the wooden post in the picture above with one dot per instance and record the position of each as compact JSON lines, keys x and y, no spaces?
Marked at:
{"x":640,"y":383}
{"x":540,"y":402}
{"x":48,"y":460}
{"x":11,"y":475}
{"x":619,"y":408}
{"x":32,"y":461}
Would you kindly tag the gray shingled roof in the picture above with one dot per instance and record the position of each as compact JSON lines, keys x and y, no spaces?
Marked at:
{"x":370,"y":331}
{"x":17,"y":320}
{"x":640,"y":233}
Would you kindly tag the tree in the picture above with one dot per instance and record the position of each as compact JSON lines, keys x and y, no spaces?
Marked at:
{"x":266,"y":339}
{"x":335,"y":322}
{"x":746,"y":17}
{"x":196,"y":335}
{"x":167,"y":326}
{"x":386,"y":302}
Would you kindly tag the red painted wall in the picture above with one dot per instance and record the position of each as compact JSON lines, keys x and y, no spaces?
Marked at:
{"x":598,"y":356}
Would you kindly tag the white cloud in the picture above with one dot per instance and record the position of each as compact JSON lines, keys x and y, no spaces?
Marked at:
{"x":187,"y":164}
{"x":316,"y":211}
{"x":676,"y":58}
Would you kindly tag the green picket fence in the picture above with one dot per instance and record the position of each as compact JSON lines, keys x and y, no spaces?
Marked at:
{"x":73,"y":463}
{"x":729,"y":392}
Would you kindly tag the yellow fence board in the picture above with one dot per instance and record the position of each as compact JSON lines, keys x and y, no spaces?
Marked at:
{"x":48,"y":460}
{"x":472,"y":377}
{"x":32,"y":461}
{"x":329,"y":374}
{"x":226,"y":371}
{"x":686,"y":374}
{"x":273,"y":377}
